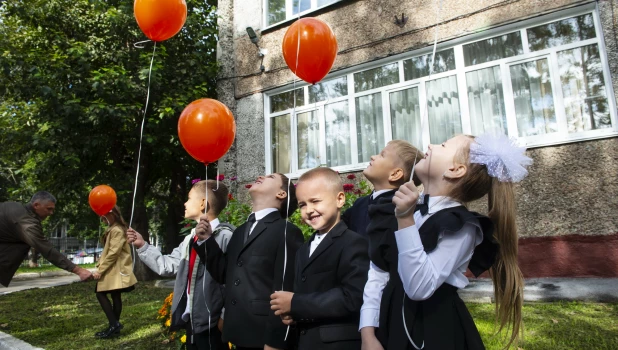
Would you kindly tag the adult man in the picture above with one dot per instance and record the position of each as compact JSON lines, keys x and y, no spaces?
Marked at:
{"x":20,"y":229}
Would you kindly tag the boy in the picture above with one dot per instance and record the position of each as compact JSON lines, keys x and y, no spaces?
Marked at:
{"x":386,"y":172}
{"x":254,"y":265}
{"x":198,"y":299}
{"x":375,"y":213}
{"x":330,"y":270}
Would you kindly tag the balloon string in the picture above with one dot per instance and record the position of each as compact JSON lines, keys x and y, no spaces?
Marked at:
{"x":141,"y":134}
{"x":425,"y":110}
{"x":206,"y":200}
{"x":140,"y":44}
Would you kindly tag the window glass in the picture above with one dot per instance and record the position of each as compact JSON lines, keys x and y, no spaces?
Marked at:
{"x":443,"y":109}
{"x":281,"y":143}
{"x":376,"y":77}
{"x":583,"y":89}
{"x":285,"y":100}
{"x":503,"y":46}
{"x":534,"y":100}
{"x":406,"y":116}
{"x":418,"y":67}
{"x":486,"y":101}
{"x":338,"y":145}
{"x":562,"y":32}
{"x":369,"y":126}
{"x":326,"y":90}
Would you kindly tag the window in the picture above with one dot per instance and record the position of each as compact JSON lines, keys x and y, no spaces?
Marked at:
{"x":277,"y":11}
{"x":543,"y":82}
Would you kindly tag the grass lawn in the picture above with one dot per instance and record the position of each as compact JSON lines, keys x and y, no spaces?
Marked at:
{"x":66,"y":317}
{"x":45,"y":268}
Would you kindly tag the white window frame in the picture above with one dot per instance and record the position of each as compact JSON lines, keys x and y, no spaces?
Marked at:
{"x":289,"y":12}
{"x":560,"y":137}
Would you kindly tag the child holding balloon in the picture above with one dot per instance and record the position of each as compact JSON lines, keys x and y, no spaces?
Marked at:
{"x":259,"y":261}
{"x":439,"y":239}
{"x":114,"y":273}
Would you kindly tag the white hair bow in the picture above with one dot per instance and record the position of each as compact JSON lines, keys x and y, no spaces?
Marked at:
{"x":504,"y":159}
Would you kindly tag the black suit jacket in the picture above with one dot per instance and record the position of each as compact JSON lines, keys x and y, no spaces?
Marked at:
{"x":357,"y":216}
{"x":252,"y":271}
{"x":328,"y":290}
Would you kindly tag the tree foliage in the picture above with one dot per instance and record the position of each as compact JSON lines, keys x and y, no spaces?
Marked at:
{"x":72,"y":93}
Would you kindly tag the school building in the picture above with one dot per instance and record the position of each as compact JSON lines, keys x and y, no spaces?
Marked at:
{"x":544,"y":72}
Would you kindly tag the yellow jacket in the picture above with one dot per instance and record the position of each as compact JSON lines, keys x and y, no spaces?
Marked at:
{"x":115,"y":264}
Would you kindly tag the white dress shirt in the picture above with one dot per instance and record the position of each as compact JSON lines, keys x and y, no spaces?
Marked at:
{"x":213,"y":224}
{"x":316,"y":242}
{"x":259,"y":215}
{"x":423,"y":273}
{"x":375,"y":194}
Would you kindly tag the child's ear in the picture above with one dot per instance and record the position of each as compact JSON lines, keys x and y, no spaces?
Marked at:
{"x":282,"y":195}
{"x":340,"y":200}
{"x":203,"y":207}
{"x":395,"y":175}
{"x":456,"y":172}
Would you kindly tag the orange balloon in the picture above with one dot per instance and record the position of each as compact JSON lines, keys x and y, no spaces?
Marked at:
{"x":317,"y":50}
{"x":102,"y":199}
{"x":206,"y":129}
{"x":160,"y":19}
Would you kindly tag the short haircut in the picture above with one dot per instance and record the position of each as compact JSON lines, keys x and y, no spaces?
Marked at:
{"x":409,"y":155}
{"x":291,"y":192}
{"x":217,"y":196}
{"x":327,"y":176}
{"x":42,"y":196}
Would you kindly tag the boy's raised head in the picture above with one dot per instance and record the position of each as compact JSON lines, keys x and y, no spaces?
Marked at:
{"x":271,"y":191}
{"x":217,"y":199}
{"x":393,"y":166}
{"x":320,"y":198}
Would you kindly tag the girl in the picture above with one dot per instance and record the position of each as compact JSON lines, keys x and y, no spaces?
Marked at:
{"x":418,"y":306}
{"x":114,"y":271}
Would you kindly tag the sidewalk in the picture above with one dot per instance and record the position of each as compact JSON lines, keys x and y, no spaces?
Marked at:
{"x":45,"y":279}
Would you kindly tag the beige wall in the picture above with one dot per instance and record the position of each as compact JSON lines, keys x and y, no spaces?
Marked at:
{"x":572,"y":188}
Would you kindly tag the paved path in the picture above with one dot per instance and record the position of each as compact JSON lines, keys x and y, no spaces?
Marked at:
{"x":41,"y":282}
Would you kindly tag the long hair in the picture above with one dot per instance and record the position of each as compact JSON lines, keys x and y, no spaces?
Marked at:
{"x":506,"y":276}
{"x":118,"y":220}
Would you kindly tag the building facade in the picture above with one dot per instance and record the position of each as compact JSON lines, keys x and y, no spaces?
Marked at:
{"x":544,"y":72}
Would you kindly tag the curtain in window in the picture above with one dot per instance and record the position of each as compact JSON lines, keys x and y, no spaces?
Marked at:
{"x":308,"y":132}
{"x":406,"y":116}
{"x":276,"y":11}
{"x":281,"y":143}
{"x":534,"y":101}
{"x":443,"y":109}
{"x":486,"y":101}
{"x":583,"y":88}
{"x":369,"y":126}
{"x":338,"y":147}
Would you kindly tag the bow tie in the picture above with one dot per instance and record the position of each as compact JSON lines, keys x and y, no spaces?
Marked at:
{"x":423,"y":207}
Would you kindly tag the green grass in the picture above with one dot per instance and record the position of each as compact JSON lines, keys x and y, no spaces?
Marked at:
{"x":66,"y":317}
{"x":48,"y":268}
{"x":556,"y":326}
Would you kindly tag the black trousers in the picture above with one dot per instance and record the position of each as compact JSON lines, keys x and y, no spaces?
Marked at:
{"x":207,"y":340}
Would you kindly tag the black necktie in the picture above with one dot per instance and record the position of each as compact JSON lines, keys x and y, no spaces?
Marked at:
{"x":423,"y":207}
{"x":250,"y":223}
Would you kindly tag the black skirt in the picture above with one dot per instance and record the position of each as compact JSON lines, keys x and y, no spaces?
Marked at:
{"x":441,"y":322}
{"x":121,"y":290}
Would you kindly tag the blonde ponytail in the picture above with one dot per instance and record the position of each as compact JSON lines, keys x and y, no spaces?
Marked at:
{"x":507,"y":278}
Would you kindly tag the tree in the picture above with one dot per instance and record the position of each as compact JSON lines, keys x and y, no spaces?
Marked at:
{"x":72,"y":95}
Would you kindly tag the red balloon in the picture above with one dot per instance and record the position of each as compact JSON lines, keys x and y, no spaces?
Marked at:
{"x":317,"y":50}
{"x":160,"y":19}
{"x":206,"y":129}
{"x":102,"y":199}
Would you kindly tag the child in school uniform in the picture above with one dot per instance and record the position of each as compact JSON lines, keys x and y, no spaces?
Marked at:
{"x":439,"y":239}
{"x":386,"y":172}
{"x":259,"y":253}
{"x":197,"y":305}
{"x":331,"y":270}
